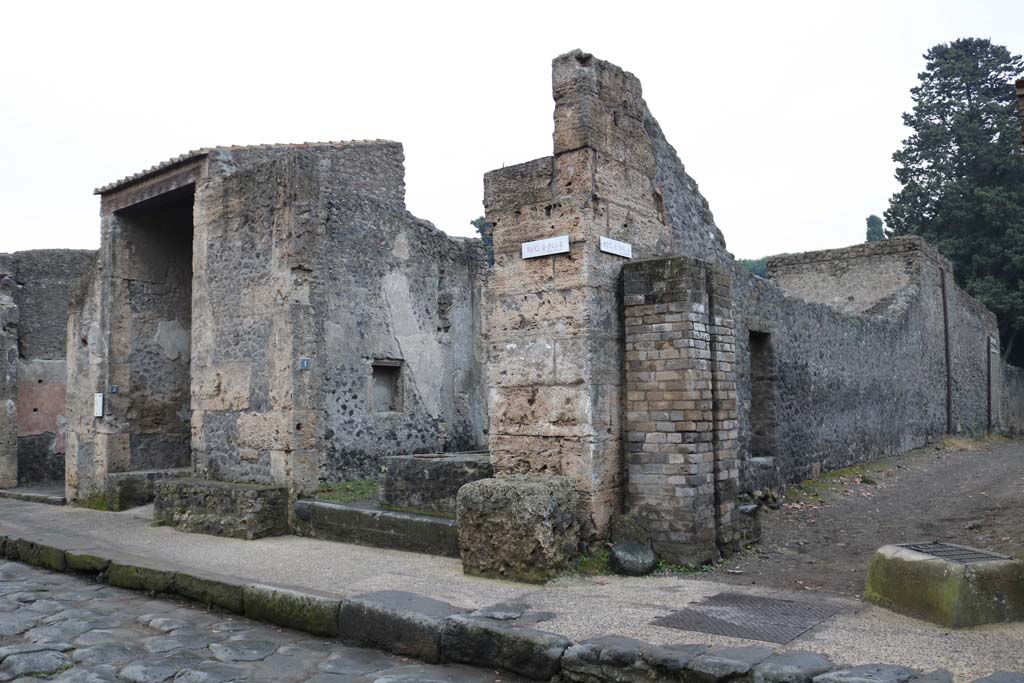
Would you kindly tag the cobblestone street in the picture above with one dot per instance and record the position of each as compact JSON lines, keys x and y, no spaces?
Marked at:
{"x":63,"y":628}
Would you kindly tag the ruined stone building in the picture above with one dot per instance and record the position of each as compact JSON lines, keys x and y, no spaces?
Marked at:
{"x":34,"y":291}
{"x":274,"y":315}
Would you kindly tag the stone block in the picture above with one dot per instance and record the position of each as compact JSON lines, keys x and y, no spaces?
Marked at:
{"x":86,"y":562}
{"x":429,"y":483}
{"x":304,"y":610}
{"x":211,"y":590}
{"x":869,"y":673}
{"x":220,"y":508}
{"x":496,"y":644}
{"x":608,"y":658}
{"x":134,"y":574}
{"x":728,"y":663}
{"x":366,"y":525}
{"x":126,"y":490}
{"x":518,"y":527}
{"x":36,"y":553}
{"x":791,"y":667}
{"x":946,"y":591}
{"x":396,"y":621}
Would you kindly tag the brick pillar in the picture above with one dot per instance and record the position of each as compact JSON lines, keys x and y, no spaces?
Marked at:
{"x":722,"y":340}
{"x":681,"y":407}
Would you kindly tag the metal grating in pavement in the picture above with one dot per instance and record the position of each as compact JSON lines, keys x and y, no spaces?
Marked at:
{"x":750,"y":616}
{"x":954,"y":553}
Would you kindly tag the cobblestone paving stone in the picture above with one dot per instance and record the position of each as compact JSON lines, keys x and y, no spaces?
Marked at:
{"x":64,"y":628}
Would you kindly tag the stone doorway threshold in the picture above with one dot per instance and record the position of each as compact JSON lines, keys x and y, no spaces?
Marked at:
{"x":49,"y":492}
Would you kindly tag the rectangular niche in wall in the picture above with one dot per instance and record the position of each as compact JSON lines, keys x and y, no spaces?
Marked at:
{"x":386,"y":396}
{"x":762,"y":395}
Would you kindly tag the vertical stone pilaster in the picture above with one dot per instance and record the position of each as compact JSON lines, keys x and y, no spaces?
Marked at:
{"x":8,"y":383}
{"x":681,"y":407}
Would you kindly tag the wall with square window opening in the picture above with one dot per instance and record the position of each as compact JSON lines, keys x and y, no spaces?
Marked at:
{"x":386,"y":393}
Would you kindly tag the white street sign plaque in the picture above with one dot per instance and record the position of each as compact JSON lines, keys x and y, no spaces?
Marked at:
{"x":616,"y":247}
{"x":552,"y":245}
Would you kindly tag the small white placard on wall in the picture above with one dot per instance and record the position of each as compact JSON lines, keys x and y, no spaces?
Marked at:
{"x":552,"y":245}
{"x":616,"y":247}
{"x":97,"y":405}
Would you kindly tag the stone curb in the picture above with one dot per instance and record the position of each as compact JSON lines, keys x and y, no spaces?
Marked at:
{"x":435,"y":631}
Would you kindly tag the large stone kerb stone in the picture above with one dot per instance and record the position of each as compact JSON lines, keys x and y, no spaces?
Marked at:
{"x":518,"y":527}
{"x":945,"y":591}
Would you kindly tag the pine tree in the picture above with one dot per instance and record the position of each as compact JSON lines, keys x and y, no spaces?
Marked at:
{"x":875,"y":232}
{"x":962,"y":171}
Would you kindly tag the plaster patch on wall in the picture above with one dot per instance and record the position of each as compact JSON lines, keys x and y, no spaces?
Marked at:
{"x":421,"y":351}
{"x":172,"y":338}
{"x":401,"y":248}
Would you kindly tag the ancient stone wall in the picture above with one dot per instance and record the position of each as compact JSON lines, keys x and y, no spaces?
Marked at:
{"x":843,"y":387}
{"x":322,"y":328}
{"x":974,"y":371}
{"x":39,"y":287}
{"x":316,"y":295}
{"x":842,"y":358}
{"x":400,"y":347}
{"x":553,"y":324}
{"x":87,"y":437}
{"x":1011,"y":409}
{"x":857,"y":279}
{"x":8,"y":383}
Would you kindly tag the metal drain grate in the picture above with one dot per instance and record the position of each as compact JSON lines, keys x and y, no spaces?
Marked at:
{"x":954,"y":553}
{"x":750,"y":616}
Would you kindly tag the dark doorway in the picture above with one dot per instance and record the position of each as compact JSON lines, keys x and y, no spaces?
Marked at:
{"x":153,"y":331}
{"x":762,"y":396}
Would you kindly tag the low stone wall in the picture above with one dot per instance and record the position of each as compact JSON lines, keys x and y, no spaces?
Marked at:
{"x":220,"y":508}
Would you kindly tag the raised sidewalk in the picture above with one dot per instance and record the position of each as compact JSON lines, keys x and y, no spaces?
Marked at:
{"x":303,"y":583}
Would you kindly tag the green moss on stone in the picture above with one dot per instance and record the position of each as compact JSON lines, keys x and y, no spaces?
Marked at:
{"x":85,"y":563}
{"x":349,"y":491}
{"x":946,"y":593}
{"x":140,"y":578}
{"x":36,"y":554}
{"x":300,"y":610}
{"x":210,"y":591}
{"x":96,"y":501}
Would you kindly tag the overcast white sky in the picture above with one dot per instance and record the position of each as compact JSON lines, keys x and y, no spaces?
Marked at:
{"x":786,"y":113}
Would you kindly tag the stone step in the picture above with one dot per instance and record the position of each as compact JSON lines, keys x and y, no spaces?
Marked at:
{"x":429,"y":482}
{"x":368,"y":524}
{"x":126,"y":490}
{"x":49,"y":494}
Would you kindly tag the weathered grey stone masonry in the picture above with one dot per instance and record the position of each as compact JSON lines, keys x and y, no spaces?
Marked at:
{"x":273,"y":315}
{"x":34,"y":292}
